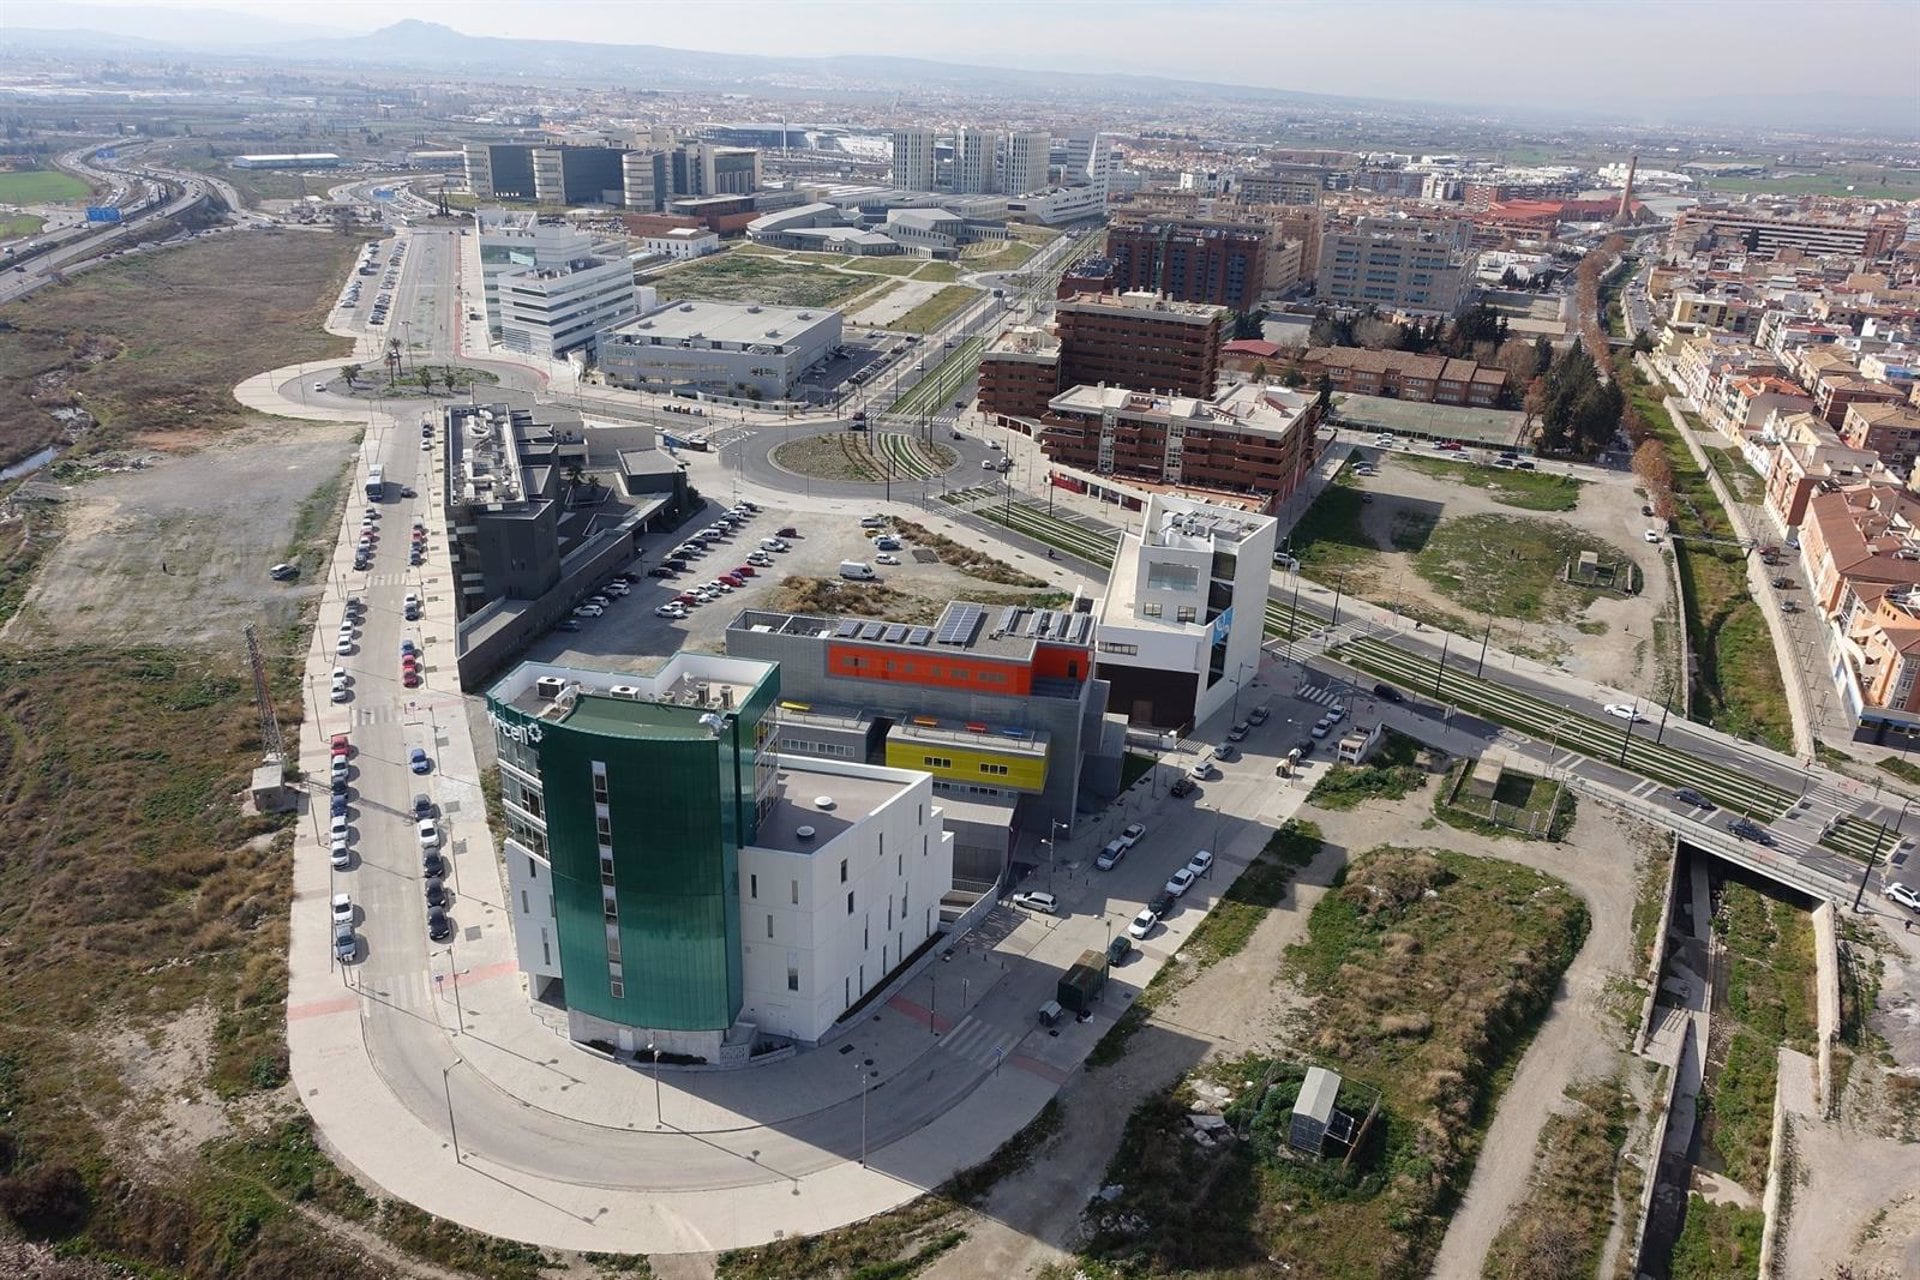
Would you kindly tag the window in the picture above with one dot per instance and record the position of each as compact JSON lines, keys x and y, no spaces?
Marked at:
{"x":604,"y":826}
{"x":843,"y":871}
{"x":1114,"y":646}
{"x":523,"y":902}
{"x":606,"y":867}
{"x":533,"y":869}
{"x":1184,"y":613}
{"x":753,"y":886}
{"x":796,"y":893}
{"x":937,"y":762}
{"x":849,"y":902}
{"x":769,"y":924}
{"x":793,"y":977}
{"x":883,"y":845}
{"x":546,"y":949}
{"x":997,"y":770}
{"x":617,"y":989}
{"x":1151,"y":609}
{"x":609,"y":905}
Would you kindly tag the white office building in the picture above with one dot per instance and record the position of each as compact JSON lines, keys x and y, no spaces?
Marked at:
{"x":1056,"y":205}
{"x":973,"y":161}
{"x":726,"y":348}
{"x":1179,"y":632}
{"x":914,"y":166}
{"x":1026,"y":163}
{"x":682,"y":243}
{"x":548,"y":288}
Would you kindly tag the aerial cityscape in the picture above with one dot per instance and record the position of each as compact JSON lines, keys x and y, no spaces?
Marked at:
{"x":1062,"y":642}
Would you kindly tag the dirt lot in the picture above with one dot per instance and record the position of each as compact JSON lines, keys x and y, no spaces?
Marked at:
{"x":1623,"y":655}
{"x":1239,"y":1005}
{"x":177,"y":553}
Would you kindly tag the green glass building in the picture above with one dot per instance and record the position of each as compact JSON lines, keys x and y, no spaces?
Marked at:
{"x":627,"y":806}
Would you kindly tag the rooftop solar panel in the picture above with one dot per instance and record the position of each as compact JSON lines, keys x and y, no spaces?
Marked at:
{"x":847,"y":630}
{"x":872,"y":631}
{"x":919,"y":635}
{"x":895,"y":634}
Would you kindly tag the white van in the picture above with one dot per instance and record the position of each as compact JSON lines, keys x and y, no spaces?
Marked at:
{"x":857,"y":569}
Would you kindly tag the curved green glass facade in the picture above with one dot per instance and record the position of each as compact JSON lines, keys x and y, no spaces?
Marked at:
{"x":663,"y":950}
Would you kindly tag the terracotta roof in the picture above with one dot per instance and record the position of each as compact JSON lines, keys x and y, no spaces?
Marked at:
{"x":1251,"y":347}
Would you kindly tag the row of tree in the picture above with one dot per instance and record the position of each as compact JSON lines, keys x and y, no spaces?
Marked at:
{"x":1576,"y":408}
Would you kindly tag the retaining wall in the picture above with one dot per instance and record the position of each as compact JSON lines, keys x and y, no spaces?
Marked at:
{"x":1776,"y":1154}
{"x":1659,"y":958}
{"x":1656,"y":1153}
{"x":1826,"y":958}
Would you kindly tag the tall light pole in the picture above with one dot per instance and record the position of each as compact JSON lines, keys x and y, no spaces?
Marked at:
{"x":653,"y":1053}
{"x":863,"y":1115}
{"x":447,"y":1089}
{"x":1873,"y":853}
{"x":1626,"y":737}
{"x":1485,"y":637}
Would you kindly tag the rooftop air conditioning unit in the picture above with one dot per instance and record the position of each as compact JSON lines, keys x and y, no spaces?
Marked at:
{"x":823,"y":802}
{"x":549,"y":686}
{"x":803,"y":833}
{"x":625,"y":691}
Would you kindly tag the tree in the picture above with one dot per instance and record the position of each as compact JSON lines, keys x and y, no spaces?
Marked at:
{"x":1655,"y":471}
{"x":351,"y":372}
{"x":1323,"y":402}
{"x":1260,"y":371}
{"x":1292,"y":377}
{"x":1245,"y":325}
{"x":1542,"y":355}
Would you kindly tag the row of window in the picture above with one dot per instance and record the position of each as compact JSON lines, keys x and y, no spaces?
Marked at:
{"x":1152,"y":609}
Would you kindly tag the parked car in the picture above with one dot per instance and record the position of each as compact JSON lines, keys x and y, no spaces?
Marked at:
{"x":1133,"y":834}
{"x":1897,"y":892}
{"x":886,"y":557}
{"x":1182,"y":787}
{"x":1038,"y":900}
{"x":417,"y":760}
{"x":1181,"y":881}
{"x":1651,"y":535}
{"x":345,"y":945}
{"x":1119,"y":949}
{"x":660,"y":571}
{"x":1239,"y":731}
{"x":1201,"y":860}
{"x":1388,"y":692}
{"x":1109,"y":857}
{"x":1625,"y":711}
{"x":1142,"y":925}
{"x":439,"y":928}
{"x":284,"y":572}
{"x":342,"y":908}
{"x":1258,"y":715}
{"x":338,"y":855}
{"x":1161,"y":904}
{"x":429,"y":832}
{"x":340,"y":748}
{"x":436,"y":891}
{"x":1226,"y":751}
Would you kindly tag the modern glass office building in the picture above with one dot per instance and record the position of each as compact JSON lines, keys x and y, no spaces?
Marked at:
{"x":631,"y":802}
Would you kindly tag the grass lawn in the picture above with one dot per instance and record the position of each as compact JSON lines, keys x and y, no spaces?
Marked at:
{"x":1528,"y":490}
{"x":1511,"y":564}
{"x":42,"y":186}
{"x":155,"y":343}
{"x":1330,"y":540}
{"x":14,"y":226}
{"x":1427,"y":972}
{"x":1734,"y":473}
{"x":937,"y":310}
{"x":938,"y":273}
{"x":1006,"y":257}
{"x":1032,"y":234}
{"x":742,"y":278}
{"x":837,"y":455}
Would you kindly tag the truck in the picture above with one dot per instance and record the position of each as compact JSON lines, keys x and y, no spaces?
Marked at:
{"x":1081,"y":985}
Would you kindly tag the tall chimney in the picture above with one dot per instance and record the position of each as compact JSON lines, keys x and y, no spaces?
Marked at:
{"x":1625,"y":212}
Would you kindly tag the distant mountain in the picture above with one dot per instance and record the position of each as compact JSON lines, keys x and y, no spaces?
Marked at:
{"x":207,"y":29}
{"x":72,"y":40}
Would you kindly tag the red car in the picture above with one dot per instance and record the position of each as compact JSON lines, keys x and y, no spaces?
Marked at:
{"x":743,"y":571}
{"x":687,"y":598}
{"x":733,"y":581}
{"x":410,"y":678}
{"x":338,"y":748}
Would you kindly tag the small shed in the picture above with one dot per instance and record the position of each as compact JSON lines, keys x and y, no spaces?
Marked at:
{"x":1485,"y":779}
{"x":1313,"y":1110}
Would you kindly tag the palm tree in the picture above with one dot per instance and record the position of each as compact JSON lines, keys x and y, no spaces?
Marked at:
{"x":350,"y":372}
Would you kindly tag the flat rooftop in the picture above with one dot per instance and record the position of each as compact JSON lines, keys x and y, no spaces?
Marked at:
{"x":797,"y":792}
{"x":1435,"y":421}
{"x":671,"y":703}
{"x":1004,"y":631}
{"x":745,"y":323}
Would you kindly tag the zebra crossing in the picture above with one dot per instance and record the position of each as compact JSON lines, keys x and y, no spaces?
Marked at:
{"x":415,"y":992}
{"x":1324,"y":695}
{"x":980,"y":1043}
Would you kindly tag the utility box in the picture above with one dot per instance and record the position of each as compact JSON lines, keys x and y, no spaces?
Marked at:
{"x":1080,"y":986}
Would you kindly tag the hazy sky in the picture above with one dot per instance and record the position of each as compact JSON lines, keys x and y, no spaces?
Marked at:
{"x":1521,"y":51}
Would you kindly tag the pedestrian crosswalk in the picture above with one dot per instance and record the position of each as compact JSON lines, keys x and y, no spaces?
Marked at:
{"x":416,"y":992}
{"x":978,"y":1042}
{"x":1321,"y":694}
{"x":378,"y":713}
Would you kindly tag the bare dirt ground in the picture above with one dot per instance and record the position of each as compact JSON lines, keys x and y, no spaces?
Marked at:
{"x":177,"y":553}
{"x":1622,"y":656}
{"x":896,"y":302}
{"x":1857,"y":1193}
{"x":1242,"y":1004}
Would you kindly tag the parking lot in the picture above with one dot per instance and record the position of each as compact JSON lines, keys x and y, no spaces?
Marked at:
{"x":629,"y":636}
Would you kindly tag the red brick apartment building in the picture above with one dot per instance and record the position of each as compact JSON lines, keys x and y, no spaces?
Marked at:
{"x":1249,"y":439}
{"x":1405,"y":376}
{"x":1125,"y":340}
{"x":1191,"y":260}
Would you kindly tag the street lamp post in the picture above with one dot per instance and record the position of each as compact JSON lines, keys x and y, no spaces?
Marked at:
{"x":653,"y":1054}
{"x":1626,"y":737}
{"x":1873,"y":854}
{"x":447,"y":1090}
{"x":863,"y":1116}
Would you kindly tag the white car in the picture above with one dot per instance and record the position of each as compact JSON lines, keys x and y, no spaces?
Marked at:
{"x":1320,"y":727}
{"x":338,"y":831}
{"x":1131,"y":836}
{"x":337,"y":854}
{"x":1110,"y":856}
{"x":344,"y":645}
{"x":429,"y":834}
{"x":342,"y":908}
{"x":1142,"y":925}
{"x":1651,"y":535}
{"x":1181,"y":881}
{"x":1906,"y":897}
{"x":588,"y":611}
{"x":886,"y":557}
{"x":670,"y":611}
{"x":1038,"y":900}
{"x":1200,"y":861}
{"x":1625,"y":711}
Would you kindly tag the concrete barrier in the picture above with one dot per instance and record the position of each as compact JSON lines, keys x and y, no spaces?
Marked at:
{"x":1826,"y":959}
{"x":1776,"y":1158}
{"x":1655,"y":1152}
{"x":1659,"y":958}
